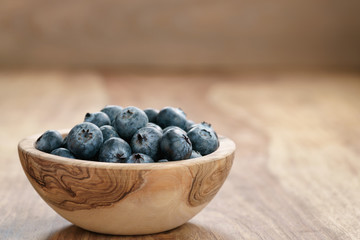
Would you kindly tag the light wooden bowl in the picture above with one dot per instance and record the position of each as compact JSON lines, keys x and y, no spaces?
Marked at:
{"x":126,"y":199}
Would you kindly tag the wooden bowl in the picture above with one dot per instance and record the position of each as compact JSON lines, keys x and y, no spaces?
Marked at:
{"x":126,"y":199}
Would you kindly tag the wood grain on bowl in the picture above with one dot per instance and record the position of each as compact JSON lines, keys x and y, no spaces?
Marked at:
{"x":75,"y":188}
{"x":137,"y":198}
{"x":207,"y":180}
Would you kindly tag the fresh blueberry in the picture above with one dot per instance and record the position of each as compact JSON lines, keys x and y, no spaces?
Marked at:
{"x":64,"y":143}
{"x":163,"y":160}
{"x":170,"y":116}
{"x":114,"y":150}
{"x":146,"y":140}
{"x":84,"y":140}
{"x":129,"y":121}
{"x":108,"y":132}
{"x":63,"y":152}
{"x":112,"y":111}
{"x":151,"y":114}
{"x":97,"y":118}
{"x":206,"y":125}
{"x":203,"y":138}
{"x":49,"y":141}
{"x":95,"y":158}
{"x":170,"y":127}
{"x":189,"y":124}
{"x":181,"y":111}
{"x":195,"y":154}
{"x":150,"y":124}
{"x":175,"y":145}
{"x":139,"y":158}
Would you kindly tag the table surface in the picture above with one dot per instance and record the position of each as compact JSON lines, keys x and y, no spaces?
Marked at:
{"x":296,"y":173}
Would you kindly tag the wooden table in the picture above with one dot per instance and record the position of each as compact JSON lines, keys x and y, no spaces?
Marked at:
{"x":296,"y":173}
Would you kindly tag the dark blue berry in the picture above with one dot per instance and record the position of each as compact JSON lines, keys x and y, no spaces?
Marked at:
{"x":206,"y":125}
{"x":108,"y":132}
{"x":114,"y":150}
{"x":112,"y":111}
{"x":151,"y":114}
{"x":97,"y":118}
{"x":85,"y":140}
{"x":189,"y":124}
{"x":154,"y":126}
{"x":63,"y":152}
{"x":129,"y":121}
{"x":181,"y":111}
{"x":195,"y":154}
{"x":163,"y":160}
{"x":146,"y":140}
{"x":49,"y":141}
{"x":64,"y":143}
{"x":203,"y":138}
{"x":170,"y":116}
{"x":170,"y":127}
{"x":175,"y":145}
{"x":139,"y":158}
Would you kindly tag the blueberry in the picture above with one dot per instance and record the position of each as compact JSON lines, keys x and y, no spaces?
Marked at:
{"x":175,"y":145}
{"x":151,"y":114}
{"x":205,"y":124}
{"x":170,"y":127}
{"x":139,"y":158}
{"x":84,"y":140}
{"x":154,"y":126}
{"x":129,"y":121}
{"x":97,"y":118}
{"x":146,"y":140}
{"x":195,"y":154}
{"x":203,"y":138}
{"x":108,"y":132}
{"x":170,"y":116}
{"x":181,"y":111}
{"x":95,"y":158}
{"x":189,"y":124}
{"x":163,"y":160}
{"x":114,"y":150}
{"x":112,"y":111}
{"x":63,"y":152}
{"x":64,"y":143}
{"x":49,"y":141}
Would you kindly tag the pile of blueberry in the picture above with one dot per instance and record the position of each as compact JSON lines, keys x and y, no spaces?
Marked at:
{"x":131,"y":135}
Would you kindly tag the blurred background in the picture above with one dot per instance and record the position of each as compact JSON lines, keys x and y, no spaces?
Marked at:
{"x":196,"y":35}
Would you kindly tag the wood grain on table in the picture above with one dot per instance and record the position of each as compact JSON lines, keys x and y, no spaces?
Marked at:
{"x":296,"y":173}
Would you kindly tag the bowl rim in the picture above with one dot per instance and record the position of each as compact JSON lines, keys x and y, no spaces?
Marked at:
{"x":27,"y":146}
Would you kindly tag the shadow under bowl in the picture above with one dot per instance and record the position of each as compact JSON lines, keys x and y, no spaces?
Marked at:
{"x":126,"y":199}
